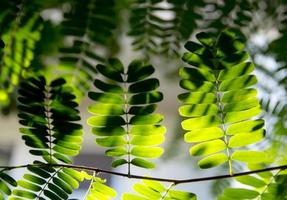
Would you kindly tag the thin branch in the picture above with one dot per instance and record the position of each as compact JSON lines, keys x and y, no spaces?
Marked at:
{"x":46,"y":184}
{"x":175,"y":181}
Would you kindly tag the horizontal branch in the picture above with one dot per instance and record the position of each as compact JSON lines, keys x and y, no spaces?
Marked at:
{"x":175,"y":181}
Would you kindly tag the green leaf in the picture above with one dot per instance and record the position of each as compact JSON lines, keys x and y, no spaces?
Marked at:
{"x":147,"y":152}
{"x":51,"y":195}
{"x":238,"y":83}
{"x":205,"y":39}
{"x":240,"y":106}
{"x":146,"y":119}
{"x":119,"y":162}
{"x":116,"y":64}
{"x":74,"y":173}
{"x":4,"y":188}
{"x":61,"y":184}
{"x":113,"y":141}
{"x":109,"y":131}
{"x":23,"y":193}
{"x":240,"y":193}
{"x":146,"y":191}
{"x":110,"y":72}
{"x":200,"y":122}
{"x":196,"y":60}
{"x":213,"y":160}
{"x":197,"y":98}
{"x":34,"y":179}
{"x":202,"y":86}
{"x":107,"y":87}
{"x":68,"y":179}
{"x":250,"y":156}
{"x":155,"y":185}
{"x":242,"y":115}
{"x":146,"y":98}
{"x":201,"y":135}
{"x":144,"y":86}
{"x":8,"y":179}
{"x":146,"y":130}
{"x":147,"y":140}
{"x":195,"y":74}
{"x":245,"y":126}
{"x":235,"y":71}
{"x":197,"y":110}
{"x":137,"y":71}
{"x":106,"y":109}
{"x":206,"y":148}
{"x":243,"y":139}
{"x":28,"y":185}
{"x":65,"y":151}
{"x":194,"y":47}
{"x":142,"y":110}
{"x":251,"y":181}
{"x":238,"y":95}
{"x":181,"y":195}
{"x":106,"y":97}
{"x":142,"y":163}
{"x":116,"y":152}
{"x":102,"y":121}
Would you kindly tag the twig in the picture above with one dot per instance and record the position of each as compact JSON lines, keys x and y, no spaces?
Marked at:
{"x":175,"y":181}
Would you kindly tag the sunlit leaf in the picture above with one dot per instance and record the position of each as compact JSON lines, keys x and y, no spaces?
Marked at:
{"x":219,"y":105}
{"x":151,"y":189}
{"x":123,"y":114}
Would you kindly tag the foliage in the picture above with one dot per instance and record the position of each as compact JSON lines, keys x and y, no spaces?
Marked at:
{"x":98,"y":189}
{"x":151,"y":29}
{"x":221,"y":108}
{"x":155,"y":190}
{"x":6,"y":182}
{"x":124,"y":120}
{"x":49,"y":112}
{"x":47,"y":183}
{"x":265,"y":185}
{"x":219,"y":102}
{"x":20,"y":36}
{"x":88,"y":25}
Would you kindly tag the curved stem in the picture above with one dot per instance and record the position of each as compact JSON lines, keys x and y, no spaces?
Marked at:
{"x":175,"y":181}
{"x":90,"y":186}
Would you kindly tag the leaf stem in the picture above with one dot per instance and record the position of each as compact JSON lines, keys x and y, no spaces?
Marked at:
{"x":126,"y":108}
{"x":268,"y":184}
{"x":132,"y":176}
{"x":48,"y":113}
{"x":221,"y":115}
{"x":46,"y":184}
{"x":90,"y":186}
{"x":166,"y":192}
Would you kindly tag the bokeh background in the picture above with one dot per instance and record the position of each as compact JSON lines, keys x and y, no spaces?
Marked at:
{"x":155,"y":30}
